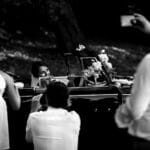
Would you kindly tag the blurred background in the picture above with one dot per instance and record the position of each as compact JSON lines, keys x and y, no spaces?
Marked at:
{"x":46,"y":29}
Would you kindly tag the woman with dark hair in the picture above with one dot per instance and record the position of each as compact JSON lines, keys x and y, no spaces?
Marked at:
{"x":40,"y":78}
{"x":39,"y":69}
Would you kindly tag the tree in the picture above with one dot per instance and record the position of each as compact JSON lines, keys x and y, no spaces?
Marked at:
{"x":63,"y":21}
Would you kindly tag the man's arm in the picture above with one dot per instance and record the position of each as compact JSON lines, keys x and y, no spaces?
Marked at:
{"x":141,"y":23}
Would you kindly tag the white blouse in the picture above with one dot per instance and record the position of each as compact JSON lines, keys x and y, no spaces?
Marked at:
{"x":54,"y":129}
{"x":4,"y":134}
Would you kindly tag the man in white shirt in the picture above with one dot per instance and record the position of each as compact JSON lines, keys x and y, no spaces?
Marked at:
{"x":56,"y":128}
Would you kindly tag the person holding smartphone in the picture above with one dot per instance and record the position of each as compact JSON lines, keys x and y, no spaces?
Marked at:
{"x":137,"y":21}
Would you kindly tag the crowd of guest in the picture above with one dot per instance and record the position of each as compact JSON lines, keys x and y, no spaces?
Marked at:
{"x":51,"y":124}
{"x":59,"y":126}
{"x":47,"y":121}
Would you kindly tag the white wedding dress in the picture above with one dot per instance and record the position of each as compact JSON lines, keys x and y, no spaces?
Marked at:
{"x":4,"y":134}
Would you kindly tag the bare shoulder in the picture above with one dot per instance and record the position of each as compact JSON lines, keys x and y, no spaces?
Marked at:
{"x":75,"y":114}
{"x":147,"y":56}
{"x":146,"y":60}
{"x":7,"y":78}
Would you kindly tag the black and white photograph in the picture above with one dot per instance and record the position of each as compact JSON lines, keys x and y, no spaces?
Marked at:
{"x":74,"y":75}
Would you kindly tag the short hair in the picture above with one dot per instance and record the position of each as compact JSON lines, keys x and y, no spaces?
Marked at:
{"x":57,"y":94}
{"x":35,"y":67}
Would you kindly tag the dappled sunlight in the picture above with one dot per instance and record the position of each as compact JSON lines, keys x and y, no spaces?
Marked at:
{"x":124,"y":58}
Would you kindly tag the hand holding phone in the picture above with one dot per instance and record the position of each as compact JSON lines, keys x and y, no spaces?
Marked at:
{"x":126,"y":20}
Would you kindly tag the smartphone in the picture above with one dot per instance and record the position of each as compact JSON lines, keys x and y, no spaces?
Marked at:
{"x":126,"y":20}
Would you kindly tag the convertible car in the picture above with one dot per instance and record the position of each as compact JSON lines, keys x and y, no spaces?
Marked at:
{"x":106,"y":92}
{"x":95,"y":103}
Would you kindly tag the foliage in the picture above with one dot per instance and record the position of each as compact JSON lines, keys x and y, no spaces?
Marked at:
{"x":43,"y":29}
